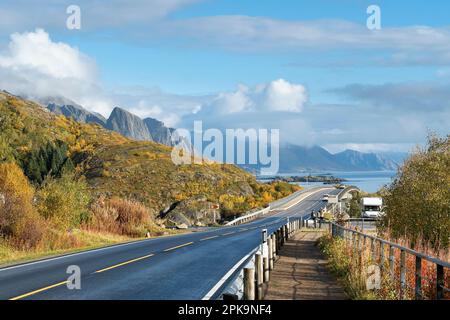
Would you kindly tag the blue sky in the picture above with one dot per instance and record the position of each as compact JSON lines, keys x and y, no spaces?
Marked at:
{"x":283,"y":63}
{"x":188,"y":70}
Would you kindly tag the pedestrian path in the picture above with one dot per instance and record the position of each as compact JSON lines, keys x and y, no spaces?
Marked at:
{"x":301,"y":272}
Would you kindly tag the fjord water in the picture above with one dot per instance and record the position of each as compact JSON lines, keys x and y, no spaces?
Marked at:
{"x":368,"y":181}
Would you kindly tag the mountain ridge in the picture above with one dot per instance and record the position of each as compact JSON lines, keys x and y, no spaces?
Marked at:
{"x":120,"y":120}
{"x":301,"y":158}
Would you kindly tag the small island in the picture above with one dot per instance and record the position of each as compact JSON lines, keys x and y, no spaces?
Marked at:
{"x":326,"y":179}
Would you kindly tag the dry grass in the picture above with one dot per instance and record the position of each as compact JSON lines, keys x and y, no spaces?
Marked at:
{"x":124,"y":217}
{"x":78,"y":240}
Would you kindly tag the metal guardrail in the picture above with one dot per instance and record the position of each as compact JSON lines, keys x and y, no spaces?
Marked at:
{"x":248,"y":217}
{"x":346,"y":190}
{"x":272,"y":206}
{"x":355,"y":238}
{"x":245,"y":280}
{"x":281,"y":202}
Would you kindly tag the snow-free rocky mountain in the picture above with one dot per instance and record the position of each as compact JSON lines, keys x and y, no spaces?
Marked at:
{"x":128,"y":125}
{"x":295,"y":158}
{"x":120,"y":120}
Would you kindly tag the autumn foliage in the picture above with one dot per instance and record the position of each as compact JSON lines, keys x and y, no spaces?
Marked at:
{"x":19,"y":221}
{"x":418,"y":201}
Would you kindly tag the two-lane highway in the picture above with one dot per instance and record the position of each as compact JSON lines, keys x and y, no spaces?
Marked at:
{"x":179,"y":267}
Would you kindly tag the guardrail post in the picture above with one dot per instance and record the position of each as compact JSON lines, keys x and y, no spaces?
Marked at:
{"x":266,"y":269}
{"x":392,"y":262}
{"x":418,"y":287}
{"x":402,"y":273}
{"x":439,"y":282}
{"x":249,"y":284}
{"x":259,"y":276}
{"x":277,"y":243}
{"x":274,"y":246}
{"x":382,"y":258}
{"x":269,"y":245}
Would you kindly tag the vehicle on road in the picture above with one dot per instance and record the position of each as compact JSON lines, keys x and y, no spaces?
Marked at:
{"x":325,"y":197}
{"x":371,"y":207}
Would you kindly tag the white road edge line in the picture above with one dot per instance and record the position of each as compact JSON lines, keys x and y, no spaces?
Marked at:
{"x":211,"y":292}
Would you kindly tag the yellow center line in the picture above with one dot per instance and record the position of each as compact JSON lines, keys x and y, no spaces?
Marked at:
{"x":39,"y":290}
{"x":124,"y":263}
{"x":181,"y":245}
{"x":209,"y":238}
{"x":226,"y":234}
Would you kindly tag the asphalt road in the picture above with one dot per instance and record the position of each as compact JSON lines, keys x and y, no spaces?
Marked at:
{"x":177,"y":267}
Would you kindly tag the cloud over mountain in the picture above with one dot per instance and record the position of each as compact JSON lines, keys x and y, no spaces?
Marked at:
{"x":277,"y":95}
{"x":35,"y":66}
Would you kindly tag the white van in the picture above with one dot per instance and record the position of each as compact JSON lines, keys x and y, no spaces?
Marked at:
{"x":371,"y":207}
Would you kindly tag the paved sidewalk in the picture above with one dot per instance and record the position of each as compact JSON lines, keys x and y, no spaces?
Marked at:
{"x":301,"y":273}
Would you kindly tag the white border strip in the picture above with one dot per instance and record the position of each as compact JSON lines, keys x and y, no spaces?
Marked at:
{"x":211,"y":292}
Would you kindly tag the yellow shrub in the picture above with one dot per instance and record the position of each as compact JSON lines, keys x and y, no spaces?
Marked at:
{"x":18,"y":219}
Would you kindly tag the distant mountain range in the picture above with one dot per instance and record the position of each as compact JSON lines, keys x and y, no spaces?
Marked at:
{"x":120,"y":120}
{"x":293,"y":158}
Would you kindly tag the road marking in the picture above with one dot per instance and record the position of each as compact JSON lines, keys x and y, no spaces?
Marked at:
{"x":209,"y":238}
{"x":124,"y":263}
{"x":70,"y":255}
{"x":180,"y":246}
{"x":226,"y":234}
{"x":39,"y":290}
{"x":244,"y":229}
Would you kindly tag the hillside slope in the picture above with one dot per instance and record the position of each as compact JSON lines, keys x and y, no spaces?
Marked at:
{"x":137,"y":170}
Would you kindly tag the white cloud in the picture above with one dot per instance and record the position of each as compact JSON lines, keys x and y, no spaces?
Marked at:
{"x":271,"y":33}
{"x":280,"y":95}
{"x":277,"y":95}
{"x":35,"y":51}
{"x":35,"y":66}
{"x":95,"y":14}
{"x":370,"y":147}
{"x":409,"y":45}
